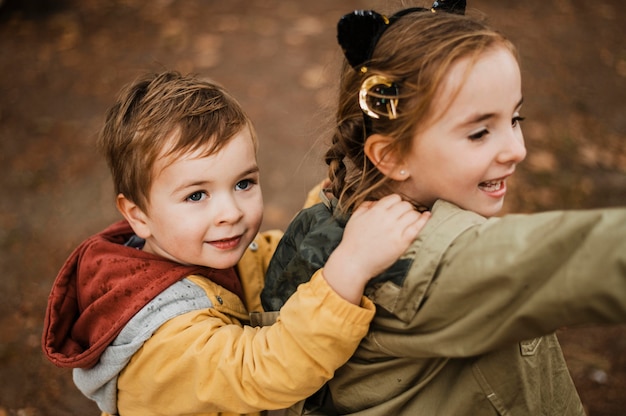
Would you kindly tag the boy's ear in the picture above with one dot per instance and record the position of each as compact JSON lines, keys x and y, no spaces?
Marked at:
{"x":379,"y":151}
{"x":135,"y":216}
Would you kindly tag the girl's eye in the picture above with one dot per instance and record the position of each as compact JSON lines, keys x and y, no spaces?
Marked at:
{"x":197,"y":196}
{"x":479,"y":134}
{"x":517,"y":120}
{"x":244,"y":184}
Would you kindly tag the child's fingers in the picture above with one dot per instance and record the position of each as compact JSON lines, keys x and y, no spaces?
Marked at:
{"x":384,"y":203}
{"x":400,"y":210}
{"x":382,"y":207}
{"x":409,"y":223}
{"x":394,"y":215}
{"x":416,"y":226}
{"x":365,"y":205}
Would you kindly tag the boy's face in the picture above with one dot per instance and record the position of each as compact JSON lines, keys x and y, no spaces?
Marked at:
{"x":467,"y":154}
{"x":206,"y":210}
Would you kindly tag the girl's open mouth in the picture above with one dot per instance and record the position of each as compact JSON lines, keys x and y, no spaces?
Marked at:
{"x":495,"y":188}
{"x":491,"y":186}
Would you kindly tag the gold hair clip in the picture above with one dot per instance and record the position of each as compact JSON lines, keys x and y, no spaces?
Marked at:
{"x":379,"y":96}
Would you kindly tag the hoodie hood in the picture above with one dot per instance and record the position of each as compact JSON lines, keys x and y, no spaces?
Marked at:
{"x":101,"y":286}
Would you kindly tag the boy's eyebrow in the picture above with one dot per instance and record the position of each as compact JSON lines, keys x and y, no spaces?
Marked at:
{"x":252,"y":170}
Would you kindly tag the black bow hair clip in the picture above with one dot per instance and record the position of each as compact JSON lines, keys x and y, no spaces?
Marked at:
{"x":358,"y":33}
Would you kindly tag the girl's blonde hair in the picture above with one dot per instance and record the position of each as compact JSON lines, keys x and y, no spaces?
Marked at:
{"x":165,"y":115}
{"x":416,"y":52}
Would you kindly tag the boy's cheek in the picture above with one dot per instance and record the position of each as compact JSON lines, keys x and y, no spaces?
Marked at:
{"x":253,"y":216}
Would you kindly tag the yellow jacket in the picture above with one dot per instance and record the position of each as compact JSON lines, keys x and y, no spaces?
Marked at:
{"x":207,"y":362}
{"x":145,"y":336}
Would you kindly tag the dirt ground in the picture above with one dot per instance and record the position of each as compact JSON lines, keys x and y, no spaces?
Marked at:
{"x":62,"y":63}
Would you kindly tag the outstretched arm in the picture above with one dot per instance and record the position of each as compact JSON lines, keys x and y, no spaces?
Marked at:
{"x":509,"y":279}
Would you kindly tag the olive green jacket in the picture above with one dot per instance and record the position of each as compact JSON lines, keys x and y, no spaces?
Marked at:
{"x":465,"y":320}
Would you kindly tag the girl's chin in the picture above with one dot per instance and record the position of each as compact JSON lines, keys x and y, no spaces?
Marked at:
{"x":491,"y":210}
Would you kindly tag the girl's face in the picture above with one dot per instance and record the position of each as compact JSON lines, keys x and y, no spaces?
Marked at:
{"x":206,"y":210}
{"x":474,"y":142}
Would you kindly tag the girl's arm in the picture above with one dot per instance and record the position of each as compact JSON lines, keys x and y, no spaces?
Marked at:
{"x":507,"y":280}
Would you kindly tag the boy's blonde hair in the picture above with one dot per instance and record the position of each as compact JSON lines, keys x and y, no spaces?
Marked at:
{"x":165,"y":115}
{"x":416,"y":53}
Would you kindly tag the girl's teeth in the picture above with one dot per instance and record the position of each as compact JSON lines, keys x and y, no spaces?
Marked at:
{"x":491,"y":186}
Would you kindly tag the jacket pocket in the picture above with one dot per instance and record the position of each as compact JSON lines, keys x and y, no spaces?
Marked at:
{"x":529,"y":378}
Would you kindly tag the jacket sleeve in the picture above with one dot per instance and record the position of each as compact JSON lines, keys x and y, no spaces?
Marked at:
{"x":206,"y":361}
{"x":506,"y":280}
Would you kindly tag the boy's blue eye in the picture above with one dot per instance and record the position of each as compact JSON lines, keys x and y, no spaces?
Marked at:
{"x":196,"y":196}
{"x":243,"y":185}
{"x":517,"y":120}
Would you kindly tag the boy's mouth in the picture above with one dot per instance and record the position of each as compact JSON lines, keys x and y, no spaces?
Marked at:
{"x":226,"y":243}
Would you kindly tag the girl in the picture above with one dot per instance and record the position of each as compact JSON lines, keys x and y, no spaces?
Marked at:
{"x":429,"y":107}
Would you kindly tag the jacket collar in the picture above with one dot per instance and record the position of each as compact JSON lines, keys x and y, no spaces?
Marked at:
{"x":101,"y":286}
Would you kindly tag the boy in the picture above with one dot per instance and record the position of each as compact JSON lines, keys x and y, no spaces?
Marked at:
{"x":150,"y":312}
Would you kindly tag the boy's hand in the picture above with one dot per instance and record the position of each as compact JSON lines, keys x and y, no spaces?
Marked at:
{"x":376,"y":235}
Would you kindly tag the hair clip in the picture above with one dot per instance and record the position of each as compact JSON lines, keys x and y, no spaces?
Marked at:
{"x":358,"y":32}
{"x":379,"y":96}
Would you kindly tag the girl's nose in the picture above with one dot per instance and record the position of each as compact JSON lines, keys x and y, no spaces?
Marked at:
{"x":514,"y":149}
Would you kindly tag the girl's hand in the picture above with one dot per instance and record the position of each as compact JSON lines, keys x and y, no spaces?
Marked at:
{"x":375,"y":237}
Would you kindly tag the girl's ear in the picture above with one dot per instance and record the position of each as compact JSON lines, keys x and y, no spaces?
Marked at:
{"x":135,"y":216}
{"x":379,"y":151}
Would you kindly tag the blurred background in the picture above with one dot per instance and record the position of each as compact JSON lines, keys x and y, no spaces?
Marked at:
{"x":62,"y":63}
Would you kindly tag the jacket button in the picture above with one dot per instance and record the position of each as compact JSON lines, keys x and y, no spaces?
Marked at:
{"x":253,"y":246}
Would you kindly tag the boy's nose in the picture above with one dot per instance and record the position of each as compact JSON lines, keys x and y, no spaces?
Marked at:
{"x":227,"y":210}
